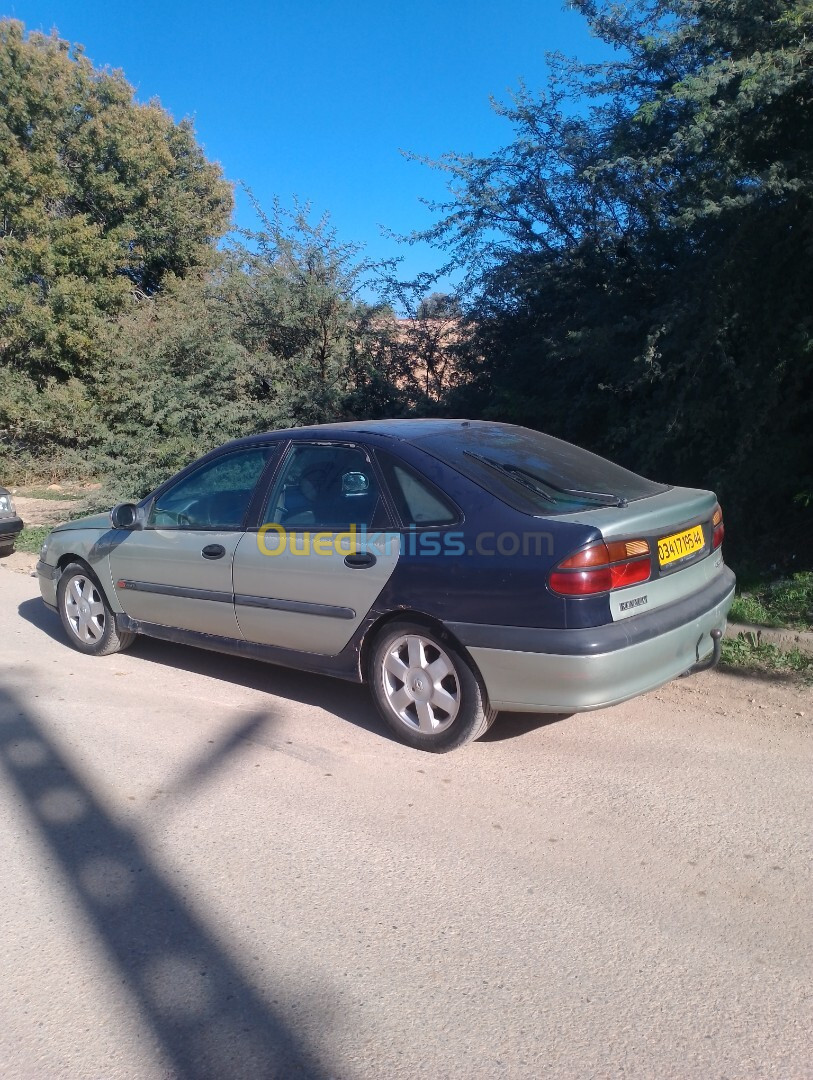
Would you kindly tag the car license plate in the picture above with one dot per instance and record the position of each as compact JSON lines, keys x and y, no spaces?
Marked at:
{"x":679,"y":545}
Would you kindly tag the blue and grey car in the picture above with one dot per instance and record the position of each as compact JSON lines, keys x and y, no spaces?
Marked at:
{"x":459,"y":567}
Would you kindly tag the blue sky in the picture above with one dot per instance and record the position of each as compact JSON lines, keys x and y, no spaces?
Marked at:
{"x":315,"y":100}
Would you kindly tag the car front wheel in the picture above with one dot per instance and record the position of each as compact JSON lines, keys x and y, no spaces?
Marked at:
{"x":86,"y":615}
{"x":425,"y":690}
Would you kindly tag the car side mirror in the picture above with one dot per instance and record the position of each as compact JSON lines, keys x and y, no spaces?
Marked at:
{"x":124,"y":516}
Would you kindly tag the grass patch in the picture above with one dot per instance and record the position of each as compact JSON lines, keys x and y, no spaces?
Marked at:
{"x":47,"y":493}
{"x":32,"y":537}
{"x":787,"y":603}
{"x":740,"y":655}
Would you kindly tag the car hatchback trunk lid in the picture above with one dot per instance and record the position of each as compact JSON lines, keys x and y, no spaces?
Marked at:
{"x":663,"y":513}
{"x":654,"y":518}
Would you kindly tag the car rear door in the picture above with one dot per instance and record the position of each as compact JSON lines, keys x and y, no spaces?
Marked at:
{"x":310,"y":571}
{"x":177,"y":570}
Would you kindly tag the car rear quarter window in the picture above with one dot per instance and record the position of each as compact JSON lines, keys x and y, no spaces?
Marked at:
{"x":417,"y":500}
{"x":536,"y":473}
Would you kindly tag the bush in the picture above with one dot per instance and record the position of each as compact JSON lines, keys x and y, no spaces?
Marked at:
{"x":46,"y":434}
{"x":741,"y":655}
{"x":781,"y":603}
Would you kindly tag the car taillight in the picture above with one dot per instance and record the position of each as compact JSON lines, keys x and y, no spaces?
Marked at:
{"x":718,"y":528}
{"x":601,"y":567}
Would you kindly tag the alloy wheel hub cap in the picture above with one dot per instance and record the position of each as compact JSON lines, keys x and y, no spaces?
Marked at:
{"x":419,"y":684}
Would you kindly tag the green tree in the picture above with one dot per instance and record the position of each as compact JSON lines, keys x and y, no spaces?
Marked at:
{"x":426,"y":341}
{"x":100,"y":198}
{"x":273,"y":336}
{"x":321,"y":351}
{"x":294,"y":287}
{"x":637,"y":258}
{"x":178,"y":383}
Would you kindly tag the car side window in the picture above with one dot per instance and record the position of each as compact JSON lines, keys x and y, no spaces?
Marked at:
{"x":215,"y":496}
{"x":324,"y":487}
{"x":418,"y":501}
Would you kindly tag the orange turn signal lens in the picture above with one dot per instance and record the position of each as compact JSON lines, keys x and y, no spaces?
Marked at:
{"x":604,"y":553}
{"x":627,"y":549}
{"x":718,"y":528}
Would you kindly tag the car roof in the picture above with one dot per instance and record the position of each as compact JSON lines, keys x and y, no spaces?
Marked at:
{"x":405,"y":430}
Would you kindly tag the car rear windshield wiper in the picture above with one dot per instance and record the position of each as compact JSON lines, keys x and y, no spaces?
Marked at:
{"x":519,"y":475}
{"x":529,"y":480}
{"x":601,"y":498}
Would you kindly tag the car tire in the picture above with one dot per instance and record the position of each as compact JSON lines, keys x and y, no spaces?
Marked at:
{"x":86,"y":616}
{"x":6,"y":549}
{"x":427,"y":692}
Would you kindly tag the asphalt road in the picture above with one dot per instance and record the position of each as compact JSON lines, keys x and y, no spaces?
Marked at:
{"x":215,"y":868}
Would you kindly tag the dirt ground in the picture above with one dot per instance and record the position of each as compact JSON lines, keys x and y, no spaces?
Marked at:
{"x":65,"y":501}
{"x":218,"y":868}
{"x":45,"y":511}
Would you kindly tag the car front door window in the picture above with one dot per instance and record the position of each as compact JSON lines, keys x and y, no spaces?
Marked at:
{"x":215,"y":496}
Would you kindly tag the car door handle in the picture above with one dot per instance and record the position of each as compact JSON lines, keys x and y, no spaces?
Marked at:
{"x":359,"y":560}
{"x":213,"y":551}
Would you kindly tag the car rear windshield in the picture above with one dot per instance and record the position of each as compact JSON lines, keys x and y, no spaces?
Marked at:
{"x":536,"y":473}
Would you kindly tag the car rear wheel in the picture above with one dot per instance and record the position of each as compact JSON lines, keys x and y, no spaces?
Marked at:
{"x":86,"y":615}
{"x":425,"y":690}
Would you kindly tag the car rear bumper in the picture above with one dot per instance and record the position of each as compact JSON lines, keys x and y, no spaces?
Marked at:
{"x":9,"y":528}
{"x":578,"y":670}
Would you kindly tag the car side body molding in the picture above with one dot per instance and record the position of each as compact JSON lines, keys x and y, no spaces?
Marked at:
{"x":215,"y":595}
{"x":330,"y":611}
{"x":301,"y":607}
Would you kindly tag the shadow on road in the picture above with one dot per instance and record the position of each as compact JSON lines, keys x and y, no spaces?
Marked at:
{"x":44,"y":618}
{"x":349,"y":701}
{"x":216,"y":758}
{"x":515,"y":725}
{"x":207,"y":1019}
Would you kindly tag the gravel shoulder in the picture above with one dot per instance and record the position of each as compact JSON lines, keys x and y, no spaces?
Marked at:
{"x":45,"y":511}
